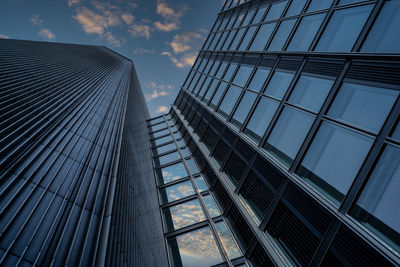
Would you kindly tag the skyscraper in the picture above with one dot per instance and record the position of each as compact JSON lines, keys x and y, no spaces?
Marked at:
{"x":281,"y":148}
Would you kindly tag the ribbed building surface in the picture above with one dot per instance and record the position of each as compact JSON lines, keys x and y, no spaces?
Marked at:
{"x":63,"y":111}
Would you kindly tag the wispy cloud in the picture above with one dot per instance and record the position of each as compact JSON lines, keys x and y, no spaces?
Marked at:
{"x":186,"y":60}
{"x":162,"y":109}
{"x":95,"y":23}
{"x":36,"y":20}
{"x":46,"y":33}
{"x":73,"y":2}
{"x":167,"y":27}
{"x":2,"y":36}
{"x":170,"y":15}
{"x":140,"y":30}
{"x":140,"y":50}
{"x":157,"y":90}
{"x":127,"y":18}
{"x":112,"y":40}
{"x":183,"y":42}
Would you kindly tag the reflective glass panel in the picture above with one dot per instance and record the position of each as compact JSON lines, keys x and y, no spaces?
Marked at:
{"x":239,"y":20}
{"x":210,"y":90}
{"x":249,"y":17}
{"x":288,"y":134}
{"x":378,"y":205}
{"x":162,"y":140}
{"x":310,"y":92}
{"x":247,"y":38}
{"x":278,"y":84}
{"x":221,"y":69}
{"x":185,"y":152}
{"x":229,"y":100}
{"x":228,"y":41}
{"x":384,"y":36}
{"x":230,"y":246}
{"x":211,"y":206}
{"x":295,"y":7}
{"x":200,"y":183}
{"x":165,"y":148}
{"x":396,"y":132}
{"x":262,"y":37}
{"x":242,"y":75}
{"x":192,"y":166}
{"x":275,"y":11}
{"x":157,"y":120}
{"x":176,"y":191}
{"x":243,"y":108}
{"x":319,"y":4}
{"x":218,"y":94}
{"x":281,"y":35}
{"x":171,"y":173}
{"x":182,"y":215}
{"x":259,"y":78}
{"x":363,"y":106}
{"x":261,"y":118}
{"x":306,"y":32}
{"x":259,"y":15}
{"x":167,"y":158}
{"x":194,"y":249}
{"x":229,"y":72}
{"x":237,"y":39}
{"x":343,"y":29}
{"x":158,"y":126}
{"x":333,"y":160}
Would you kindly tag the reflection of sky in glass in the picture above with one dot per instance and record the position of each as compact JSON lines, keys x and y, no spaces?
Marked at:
{"x":192,"y":166}
{"x":211,"y":206}
{"x":164,"y":148}
{"x":201,"y":185}
{"x":172,"y":173}
{"x":196,"y":249}
{"x":177,"y":191}
{"x":184,"y":214}
{"x":227,"y":241}
{"x":168,"y":158}
{"x":162,"y":140}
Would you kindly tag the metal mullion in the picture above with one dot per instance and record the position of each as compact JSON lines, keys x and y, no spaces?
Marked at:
{"x":231,"y":151}
{"x":185,"y":229}
{"x":317,"y":121}
{"x":180,"y":180}
{"x":246,"y":173}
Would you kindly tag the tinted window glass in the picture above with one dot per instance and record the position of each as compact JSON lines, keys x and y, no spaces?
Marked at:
{"x":319,"y":4}
{"x":247,"y":38}
{"x":278,"y":84}
{"x":242,"y":75}
{"x":275,"y":11}
{"x":175,"y":192}
{"x":259,"y":78}
{"x":167,"y":158}
{"x":227,"y":240}
{"x":200,"y":183}
{"x":281,"y":35}
{"x":211,"y":206}
{"x":229,"y":100}
{"x":218,"y":94}
{"x":211,"y":90}
{"x":262,"y":37}
{"x":237,"y":39}
{"x":182,"y":215}
{"x":171,"y":173}
{"x":295,"y":7}
{"x":243,"y":109}
{"x":165,"y":148}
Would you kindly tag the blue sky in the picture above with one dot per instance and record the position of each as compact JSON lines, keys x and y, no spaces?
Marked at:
{"x":162,"y":37}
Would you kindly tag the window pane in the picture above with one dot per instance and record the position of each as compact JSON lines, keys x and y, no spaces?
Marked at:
{"x":182,"y":215}
{"x":242,"y":75}
{"x":363,"y":106}
{"x":239,"y":20}
{"x":243,"y":109}
{"x":218,"y":94}
{"x":378,"y":205}
{"x":200,"y":183}
{"x":248,"y":17}
{"x":211,"y":90}
{"x":194,"y":249}
{"x":295,"y":7}
{"x":247,"y":38}
{"x":211,"y":206}
{"x":227,"y":240}
{"x":192,"y":166}
{"x":319,"y":4}
{"x":306,"y":32}
{"x":343,"y":29}
{"x":165,"y":148}
{"x":278,"y":84}
{"x":259,"y":78}
{"x":333,"y":160}
{"x":185,"y":152}
{"x":259,"y":15}
{"x":228,"y":40}
{"x":288,"y":134}
{"x":384,"y":35}
{"x":229,"y":72}
{"x":229,"y":100}
{"x":162,"y":140}
{"x":158,"y":126}
{"x":237,"y":39}
{"x":275,"y":11}
{"x":281,"y":35}
{"x":221,"y":69}
{"x":171,"y":173}
{"x":261,"y":118}
{"x":310,"y":92}
{"x":396,"y":132}
{"x":262,"y":37}
{"x":160,"y":133}
{"x":175,"y":192}
{"x":167,"y":158}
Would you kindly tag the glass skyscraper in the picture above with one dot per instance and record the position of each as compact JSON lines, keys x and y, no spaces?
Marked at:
{"x":281,"y":148}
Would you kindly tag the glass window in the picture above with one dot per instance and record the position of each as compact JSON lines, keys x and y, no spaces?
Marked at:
{"x":310,"y":92}
{"x":163,"y":149}
{"x":247,"y":38}
{"x":222,"y":42}
{"x":295,"y":7}
{"x":162,"y":140}
{"x":171,"y":173}
{"x":262,"y":37}
{"x":160,"y":133}
{"x":249,"y":17}
{"x":211,"y":89}
{"x":229,"y":100}
{"x":281,"y":35}
{"x":396,"y":132}
{"x":259,"y":78}
{"x":259,"y":15}
{"x":228,"y":40}
{"x":378,"y":205}
{"x":333,"y":160}
{"x":180,"y":143}
{"x":194,"y":249}
{"x":218,"y":94}
{"x":261,"y":118}
{"x":319,"y":4}
{"x":242,"y":75}
{"x":275,"y":11}
{"x":239,"y":20}
{"x":211,"y":206}
{"x":221,"y":69}
{"x":229,"y":72}
{"x":192,"y":166}
{"x":158,"y":126}
{"x":306,"y":32}
{"x":214,"y":68}
{"x":167,"y":158}
{"x":230,"y":246}
{"x":237,"y":39}
{"x":185,"y":152}
{"x":176,"y":192}
{"x":204,"y":86}
{"x":278,"y":84}
{"x":157,"y":120}
{"x":346,"y":2}
{"x":288,"y":134}
{"x":183,"y":215}
{"x":343,"y":29}
{"x":384,"y":36}
{"x":362,"y":105}
{"x":200,"y":183}
{"x":243,"y":108}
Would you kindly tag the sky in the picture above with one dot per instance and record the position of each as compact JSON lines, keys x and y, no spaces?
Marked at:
{"x":162,"y":37}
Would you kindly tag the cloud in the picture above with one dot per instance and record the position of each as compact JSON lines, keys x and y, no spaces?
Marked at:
{"x":162,"y":109}
{"x":182,"y":42}
{"x":96,"y":23}
{"x":170,"y":15}
{"x":36,"y":20}
{"x":167,"y":27}
{"x":2,"y":36}
{"x":127,"y":18}
{"x":140,"y":50}
{"x":46,"y":33}
{"x":111,"y":39}
{"x":157,"y":90}
{"x":73,"y":2}
{"x":140,"y":30}
{"x":186,"y":60}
